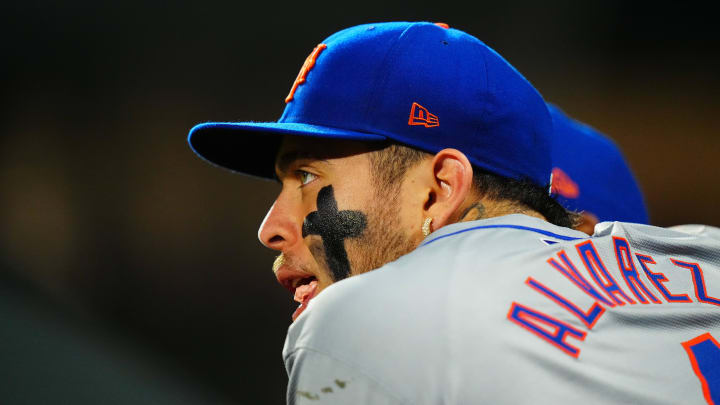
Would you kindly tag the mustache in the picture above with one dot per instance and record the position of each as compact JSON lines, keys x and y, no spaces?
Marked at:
{"x":283,"y":259}
{"x":294,"y":263}
{"x":279,"y":261}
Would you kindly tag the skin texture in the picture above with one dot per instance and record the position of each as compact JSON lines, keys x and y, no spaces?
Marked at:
{"x":475,"y":211}
{"x":331,"y":220}
{"x":334,"y":227}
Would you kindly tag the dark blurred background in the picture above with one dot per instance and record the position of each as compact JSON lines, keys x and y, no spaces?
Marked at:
{"x":107,"y":213}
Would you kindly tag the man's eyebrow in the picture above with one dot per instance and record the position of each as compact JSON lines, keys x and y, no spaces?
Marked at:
{"x":286,"y":159}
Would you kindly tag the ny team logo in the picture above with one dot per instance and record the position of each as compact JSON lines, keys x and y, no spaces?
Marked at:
{"x":306,"y":67}
{"x":562,"y":184}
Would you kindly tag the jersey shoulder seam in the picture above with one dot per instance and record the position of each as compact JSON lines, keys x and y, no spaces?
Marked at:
{"x":518,"y":227}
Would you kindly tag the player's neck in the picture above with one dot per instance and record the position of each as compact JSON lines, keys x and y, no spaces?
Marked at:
{"x":486,"y":208}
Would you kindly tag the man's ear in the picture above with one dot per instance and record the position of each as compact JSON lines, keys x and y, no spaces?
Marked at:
{"x":450,"y":186}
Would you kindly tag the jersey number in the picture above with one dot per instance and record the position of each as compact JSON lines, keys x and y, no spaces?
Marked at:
{"x":704,"y":354}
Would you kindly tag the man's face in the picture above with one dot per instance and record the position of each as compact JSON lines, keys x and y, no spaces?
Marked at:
{"x":331,"y":220}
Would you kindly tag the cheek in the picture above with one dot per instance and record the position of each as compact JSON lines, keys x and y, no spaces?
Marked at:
{"x":354,"y":194}
{"x":410,"y":217}
{"x":315,"y":245}
{"x":363,"y":252}
{"x":359,"y":254}
{"x":317,"y":250}
{"x":334,"y":227}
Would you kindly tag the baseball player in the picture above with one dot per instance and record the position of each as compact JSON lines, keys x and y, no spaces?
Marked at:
{"x":588,"y":174}
{"x":417,"y":152}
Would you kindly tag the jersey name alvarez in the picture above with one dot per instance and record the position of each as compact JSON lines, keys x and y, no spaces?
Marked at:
{"x":609,"y":273}
{"x":483,"y":307}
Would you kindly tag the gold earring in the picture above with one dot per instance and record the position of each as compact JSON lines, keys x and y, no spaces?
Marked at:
{"x":426,"y":226}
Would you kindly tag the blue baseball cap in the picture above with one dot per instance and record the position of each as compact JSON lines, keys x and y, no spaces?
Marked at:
{"x":590,"y":173}
{"x":420,"y":84}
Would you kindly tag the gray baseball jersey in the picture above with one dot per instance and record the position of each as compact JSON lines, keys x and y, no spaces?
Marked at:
{"x":701,"y":230}
{"x":516,"y":310}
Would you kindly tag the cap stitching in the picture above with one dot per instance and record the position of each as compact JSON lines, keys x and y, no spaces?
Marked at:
{"x":381,"y":82}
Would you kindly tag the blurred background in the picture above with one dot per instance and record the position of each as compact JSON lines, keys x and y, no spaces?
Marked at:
{"x":107,"y":215}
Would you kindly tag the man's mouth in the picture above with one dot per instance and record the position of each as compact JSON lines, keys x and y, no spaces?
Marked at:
{"x":303,"y":285}
{"x":304,"y":292}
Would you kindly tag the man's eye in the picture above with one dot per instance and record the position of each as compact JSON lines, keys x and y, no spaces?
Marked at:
{"x":306,"y":177}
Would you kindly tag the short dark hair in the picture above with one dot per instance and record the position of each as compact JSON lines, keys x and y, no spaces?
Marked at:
{"x":391,"y":162}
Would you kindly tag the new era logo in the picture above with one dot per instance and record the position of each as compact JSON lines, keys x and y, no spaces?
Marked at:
{"x":419,"y":115}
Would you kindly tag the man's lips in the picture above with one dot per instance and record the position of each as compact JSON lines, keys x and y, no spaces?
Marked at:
{"x":291,"y":278}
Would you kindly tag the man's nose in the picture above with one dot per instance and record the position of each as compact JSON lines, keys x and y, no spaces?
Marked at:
{"x":281,"y":227}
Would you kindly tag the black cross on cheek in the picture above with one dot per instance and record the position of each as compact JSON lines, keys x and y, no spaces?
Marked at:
{"x":334,"y":227}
